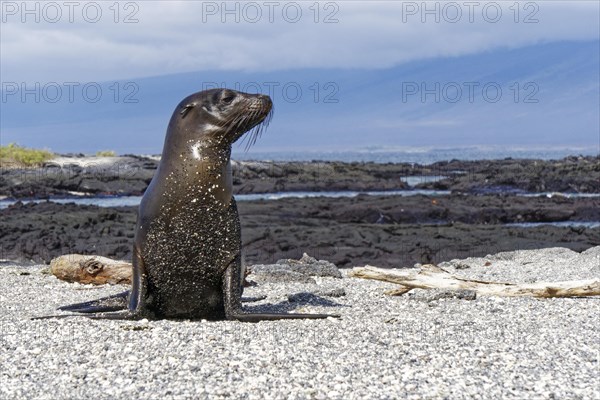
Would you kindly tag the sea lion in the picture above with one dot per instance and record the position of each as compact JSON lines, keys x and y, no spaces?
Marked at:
{"x":187,"y":250}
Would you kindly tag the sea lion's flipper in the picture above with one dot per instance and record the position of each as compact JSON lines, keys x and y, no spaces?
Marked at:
{"x":232,"y":292}
{"x":116,"y":302}
{"x":111,"y":303}
{"x":139,"y":282}
{"x":134,"y":308}
{"x":118,"y":315}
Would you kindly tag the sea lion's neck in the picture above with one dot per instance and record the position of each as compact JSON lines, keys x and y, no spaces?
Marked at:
{"x":200,"y":170}
{"x":210,"y":167}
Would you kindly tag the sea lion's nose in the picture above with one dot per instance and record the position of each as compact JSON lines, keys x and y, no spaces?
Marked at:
{"x":265,"y":99}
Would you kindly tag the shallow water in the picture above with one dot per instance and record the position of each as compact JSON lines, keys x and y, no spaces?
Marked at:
{"x":125,"y":201}
{"x":120,"y":201}
{"x":564,"y":224}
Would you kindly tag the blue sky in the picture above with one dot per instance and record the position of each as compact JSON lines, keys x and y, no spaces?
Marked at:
{"x":343,"y":75}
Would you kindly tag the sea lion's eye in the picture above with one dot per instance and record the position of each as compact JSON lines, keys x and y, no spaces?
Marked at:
{"x":187,"y":108}
{"x":228,"y":99}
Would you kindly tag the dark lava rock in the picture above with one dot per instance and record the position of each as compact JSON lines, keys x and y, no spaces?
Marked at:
{"x":570,"y":174}
{"x":132,"y":174}
{"x":41,"y":232}
{"x":126,"y":176}
{"x":473,"y":226}
{"x":310,"y":266}
{"x":291,"y":270}
{"x":274,"y":274}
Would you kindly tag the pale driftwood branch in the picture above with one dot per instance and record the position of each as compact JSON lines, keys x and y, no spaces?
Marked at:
{"x":433,"y":277}
{"x":91,"y":269}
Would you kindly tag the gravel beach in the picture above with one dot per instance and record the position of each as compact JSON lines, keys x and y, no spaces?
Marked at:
{"x":414,"y":346}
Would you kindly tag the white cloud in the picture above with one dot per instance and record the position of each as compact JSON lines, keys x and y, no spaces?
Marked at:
{"x":173,"y":37}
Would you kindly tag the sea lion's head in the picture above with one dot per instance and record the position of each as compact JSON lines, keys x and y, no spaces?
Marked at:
{"x":219,"y":117}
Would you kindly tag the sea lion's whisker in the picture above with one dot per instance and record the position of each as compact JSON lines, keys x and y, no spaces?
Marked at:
{"x":254,"y":131}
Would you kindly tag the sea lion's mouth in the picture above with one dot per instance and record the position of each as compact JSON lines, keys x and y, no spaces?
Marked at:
{"x":253,"y":121}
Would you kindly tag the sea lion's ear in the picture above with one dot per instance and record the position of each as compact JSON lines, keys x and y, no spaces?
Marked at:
{"x":187,"y":108}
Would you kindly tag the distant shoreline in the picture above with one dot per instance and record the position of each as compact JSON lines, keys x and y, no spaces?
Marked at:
{"x":130,"y":175}
{"x":420,"y":155}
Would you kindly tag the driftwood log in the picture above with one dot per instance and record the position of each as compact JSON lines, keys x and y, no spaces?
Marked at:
{"x":96,"y":270}
{"x":91,"y":269}
{"x":434,"y":277}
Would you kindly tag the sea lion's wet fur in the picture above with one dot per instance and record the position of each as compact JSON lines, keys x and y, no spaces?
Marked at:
{"x":187,"y":251}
